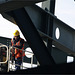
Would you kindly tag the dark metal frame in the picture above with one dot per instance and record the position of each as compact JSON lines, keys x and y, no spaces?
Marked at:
{"x":8,"y":5}
{"x":33,"y":19}
{"x":29,"y":31}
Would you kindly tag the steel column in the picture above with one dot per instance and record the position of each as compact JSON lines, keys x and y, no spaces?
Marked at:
{"x":50,"y":24}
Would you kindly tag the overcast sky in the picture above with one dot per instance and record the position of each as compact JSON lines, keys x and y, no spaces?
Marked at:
{"x":7,"y":28}
{"x":65,"y":10}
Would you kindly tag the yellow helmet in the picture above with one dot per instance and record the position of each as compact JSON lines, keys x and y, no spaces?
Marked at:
{"x":16,"y":33}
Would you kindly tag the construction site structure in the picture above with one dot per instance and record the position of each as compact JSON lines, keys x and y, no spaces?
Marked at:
{"x":40,"y":28}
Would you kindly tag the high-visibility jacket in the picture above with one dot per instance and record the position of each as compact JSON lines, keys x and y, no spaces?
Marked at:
{"x":18,"y":52}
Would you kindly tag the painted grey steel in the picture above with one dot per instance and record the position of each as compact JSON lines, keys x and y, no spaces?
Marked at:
{"x":39,"y":18}
{"x":8,"y":5}
{"x":50,"y":24}
{"x":58,"y":51}
{"x":59,"y":56}
{"x":67,"y":34}
{"x":57,"y":44}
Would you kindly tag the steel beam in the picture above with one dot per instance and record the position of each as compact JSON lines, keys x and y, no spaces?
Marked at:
{"x":8,"y":5}
{"x":58,"y":44}
{"x":29,"y":31}
{"x":64,"y":29}
{"x":50,"y":23}
{"x":67,"y":34}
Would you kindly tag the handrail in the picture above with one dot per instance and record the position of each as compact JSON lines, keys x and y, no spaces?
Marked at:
{"x":20,"y":65}
{"x":21,"y":49}
{"x":25,"y":54}
{"x":7,"y":54}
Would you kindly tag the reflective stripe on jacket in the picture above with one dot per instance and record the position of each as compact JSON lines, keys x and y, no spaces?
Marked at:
{"x":18,"y":52}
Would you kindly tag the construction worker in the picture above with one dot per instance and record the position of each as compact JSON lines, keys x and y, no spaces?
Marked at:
{"x":18,"y":44}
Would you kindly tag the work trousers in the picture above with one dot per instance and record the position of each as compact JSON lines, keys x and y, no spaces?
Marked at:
{"x":19,"y":62}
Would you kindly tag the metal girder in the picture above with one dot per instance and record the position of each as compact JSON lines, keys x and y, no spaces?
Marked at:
{"x":50,"y":24}
{"x":64,"y":29}
{"x":58,"y":45}
{"x":32,"y":36}
{"x":8,"y":5}
{"x":58,"y":55}
{"x":67,"y":34}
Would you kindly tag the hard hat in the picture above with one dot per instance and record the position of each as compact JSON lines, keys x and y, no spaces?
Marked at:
{"x":16,"y":33}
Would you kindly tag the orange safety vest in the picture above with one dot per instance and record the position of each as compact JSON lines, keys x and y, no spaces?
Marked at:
{"x":18,"y":52}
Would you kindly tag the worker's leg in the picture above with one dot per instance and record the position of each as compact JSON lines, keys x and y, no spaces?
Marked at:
{"x":19,"y":62}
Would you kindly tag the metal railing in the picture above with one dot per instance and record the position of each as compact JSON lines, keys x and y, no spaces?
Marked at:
{"x":22,"y":58}
{"x":8,"y":53}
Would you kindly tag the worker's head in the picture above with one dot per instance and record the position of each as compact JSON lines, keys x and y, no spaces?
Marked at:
{"x":16,"y":34}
